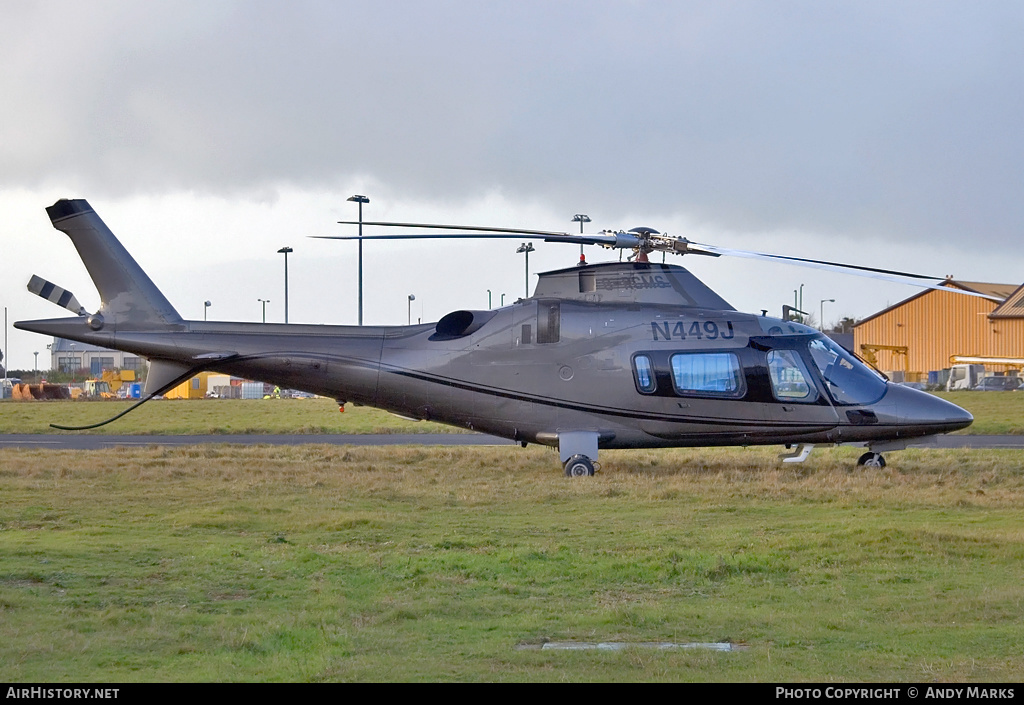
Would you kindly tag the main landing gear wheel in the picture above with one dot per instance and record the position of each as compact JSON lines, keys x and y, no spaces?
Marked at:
{"x":872,"y":460}
{"x":579,"y":466}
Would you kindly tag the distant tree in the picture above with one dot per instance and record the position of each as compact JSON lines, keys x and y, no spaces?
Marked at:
{"x":845,"y":325}
{"x":27,"y":376}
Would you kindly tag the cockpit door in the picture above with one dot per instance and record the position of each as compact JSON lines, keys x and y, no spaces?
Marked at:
{"x":795,"y":402}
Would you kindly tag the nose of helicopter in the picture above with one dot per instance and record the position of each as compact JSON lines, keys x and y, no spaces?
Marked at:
{"x":924,"y":412}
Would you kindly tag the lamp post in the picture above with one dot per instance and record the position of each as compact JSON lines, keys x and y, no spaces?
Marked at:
{"x":489,"y":300}
{"x":527,"y":247}
{"x":821,"y":313}
{"x":412,"y":297}
{"x":37,"y":362}
{"x":360,"y":200}
{"x":503,"y":300}
{"x":284,"y":251}
{"x":581,"y":218}
{"x":264,"y":302}
{"x":206,"y":306}
{"x":74,"y":365}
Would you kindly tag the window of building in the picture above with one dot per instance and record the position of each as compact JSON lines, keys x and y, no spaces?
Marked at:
{"x":98,"y":364}
{"x":69,"y":364}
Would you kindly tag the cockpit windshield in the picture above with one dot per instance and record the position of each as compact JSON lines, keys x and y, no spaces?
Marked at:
{"x":848,"y":380}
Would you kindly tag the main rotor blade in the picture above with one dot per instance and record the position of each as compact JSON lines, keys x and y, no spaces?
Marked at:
{"x":606,"y":240}
{"x":892,"y":275}
{"x":751,"y":254}
{"x":484,"y":229}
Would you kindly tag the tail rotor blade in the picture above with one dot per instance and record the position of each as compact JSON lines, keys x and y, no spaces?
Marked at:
{"x":55,"y":294}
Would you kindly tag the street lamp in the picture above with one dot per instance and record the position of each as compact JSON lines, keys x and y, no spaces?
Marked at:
{"x":527,"y":247}
{"x":360,"y":200}
{"x":489,"y":300}
{"x":264,"y":302}
{"x":37,"y":362}
{"x":821,"y":311}
{"x":284,"y":251}
{"x":412,"y":297}
{"x":74,"y":364}
{"x":206,"y":305}
{"x":581,"y":218}
{"x":503,"y":300}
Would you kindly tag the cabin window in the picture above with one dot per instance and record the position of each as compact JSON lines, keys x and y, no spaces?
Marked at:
{"x":549,"y":321}
{"x":716,"y":374}
{"x":848,"y":380}
{"x":644,"y":371}
{"x":790,"y":380}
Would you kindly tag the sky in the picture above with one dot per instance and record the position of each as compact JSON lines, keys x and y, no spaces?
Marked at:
{"x":210,"y":135}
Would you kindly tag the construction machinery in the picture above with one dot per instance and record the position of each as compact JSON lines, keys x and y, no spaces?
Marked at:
{"x":109,"y":385}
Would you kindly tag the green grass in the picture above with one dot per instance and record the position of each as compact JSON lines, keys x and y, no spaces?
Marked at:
{"x":209,"y":416}
{"x":994,"y":413}
{"x":324,"y":563}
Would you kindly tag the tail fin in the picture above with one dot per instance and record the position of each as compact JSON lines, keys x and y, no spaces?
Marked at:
{"x":129,"y":297}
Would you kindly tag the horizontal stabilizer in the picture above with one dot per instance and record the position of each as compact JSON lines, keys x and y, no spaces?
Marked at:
{"x":52,"y":292}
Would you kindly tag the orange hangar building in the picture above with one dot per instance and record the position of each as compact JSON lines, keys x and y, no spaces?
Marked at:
{"x":924,"y":333}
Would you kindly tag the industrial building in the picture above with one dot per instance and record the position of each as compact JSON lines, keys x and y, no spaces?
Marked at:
{"x":920,"y":334}
{"x":91,"y":360}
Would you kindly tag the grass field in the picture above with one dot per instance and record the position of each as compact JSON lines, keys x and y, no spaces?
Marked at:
{"x":994,"y":412}
{"x":210,"y":416}
{"x":324,"y":563}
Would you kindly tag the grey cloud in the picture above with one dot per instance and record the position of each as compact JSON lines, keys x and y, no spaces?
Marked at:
{"x":843,"y":118}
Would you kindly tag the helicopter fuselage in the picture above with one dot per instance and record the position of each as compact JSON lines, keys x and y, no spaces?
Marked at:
{"x":612,"y":355}
{"x":638,"y":375}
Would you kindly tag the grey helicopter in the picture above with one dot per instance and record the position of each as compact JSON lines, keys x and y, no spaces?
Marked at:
{"x":620,"y":354}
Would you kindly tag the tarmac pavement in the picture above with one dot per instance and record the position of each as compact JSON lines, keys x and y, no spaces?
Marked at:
{"x":85,"y":441}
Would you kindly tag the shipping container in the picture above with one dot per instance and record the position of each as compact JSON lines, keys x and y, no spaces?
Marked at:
{"x":252,"y":390}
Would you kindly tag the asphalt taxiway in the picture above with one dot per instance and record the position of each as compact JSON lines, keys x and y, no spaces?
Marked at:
{"x":83,"y":441}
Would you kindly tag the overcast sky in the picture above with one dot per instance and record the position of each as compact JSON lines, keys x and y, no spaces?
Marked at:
{"x":210,"y":134}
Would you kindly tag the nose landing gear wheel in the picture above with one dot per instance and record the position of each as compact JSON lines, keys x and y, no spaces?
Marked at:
{"x":579,"y":466}
{"x":872,"y":460}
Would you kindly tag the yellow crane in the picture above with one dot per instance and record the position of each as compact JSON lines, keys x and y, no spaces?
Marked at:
{"x":867,"y":351}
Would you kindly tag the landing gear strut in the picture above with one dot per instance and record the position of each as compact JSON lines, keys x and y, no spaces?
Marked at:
{"x":577,"y":451}
{"x":579,"y":466}
{"x":872,"y":460}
